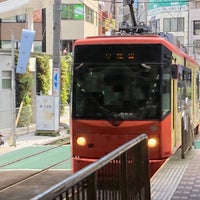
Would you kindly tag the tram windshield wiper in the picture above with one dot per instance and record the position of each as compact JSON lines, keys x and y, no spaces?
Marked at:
{"x":79,"y":66}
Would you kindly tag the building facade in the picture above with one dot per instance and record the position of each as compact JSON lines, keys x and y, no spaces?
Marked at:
{"x":194,"y":29}
{"x":6,"y":94}
{"x":181,"y":18}
{"x":14,"y":25}
{"x":79,"y":19}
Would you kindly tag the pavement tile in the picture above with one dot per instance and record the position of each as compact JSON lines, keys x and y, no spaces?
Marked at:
{"x":184,"y":184}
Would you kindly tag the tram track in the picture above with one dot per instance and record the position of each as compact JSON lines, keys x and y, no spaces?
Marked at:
{"x":33,"y":175}
{"x":31,"y":155}
{"x":13,"y":178}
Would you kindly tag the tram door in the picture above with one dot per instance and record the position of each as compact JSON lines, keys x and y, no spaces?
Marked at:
{"x":176,"y":115}
{"x":174,"y":112}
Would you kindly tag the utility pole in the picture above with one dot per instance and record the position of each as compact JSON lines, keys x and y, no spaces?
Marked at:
{"x":12,"y":136}
{"x":56,"y":52}
{"x":56,"y":34}
{"x":113,"y":10}
{"x":44,"y":30}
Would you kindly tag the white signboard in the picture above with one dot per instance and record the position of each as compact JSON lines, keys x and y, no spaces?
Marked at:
{"x":47,"y":113}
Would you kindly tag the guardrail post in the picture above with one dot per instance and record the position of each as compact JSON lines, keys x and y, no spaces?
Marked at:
{"x":123,"y":175}
{"x":91,"y":187}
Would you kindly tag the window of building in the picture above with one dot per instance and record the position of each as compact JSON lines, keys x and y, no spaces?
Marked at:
{"x":195,"y":4}
{"x":89,"y":14}
{"x":173,"y":24}
{"x":37,"y":17}
{"x":196,"y":27}
{"x":6,"y":79}
{"x":21,"y":18}
{"x":77,"y":12}
{"x":196,"y":46}
{"x":6,"y":44}
{"x":72,"y":11}
{"x":166,"y":24}
{"x":37,"y":45}
{"x":17,"y":18}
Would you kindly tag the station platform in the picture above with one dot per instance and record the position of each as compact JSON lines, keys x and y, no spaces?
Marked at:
{"x":178,"y":178}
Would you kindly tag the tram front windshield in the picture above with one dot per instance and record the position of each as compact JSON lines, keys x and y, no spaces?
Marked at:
{"x":112,"y":85}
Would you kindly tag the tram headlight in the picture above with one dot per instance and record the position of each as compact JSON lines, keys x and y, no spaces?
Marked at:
{"x":152,"y":142}
{"x":81,"y":141}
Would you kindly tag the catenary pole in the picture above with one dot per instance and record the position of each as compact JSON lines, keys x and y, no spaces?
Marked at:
{"x":56,"y":33}
{"x":56,"y":52}
{"x":12,"y":137}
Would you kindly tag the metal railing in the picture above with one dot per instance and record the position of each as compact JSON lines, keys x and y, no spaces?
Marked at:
{"x":123,"y":174}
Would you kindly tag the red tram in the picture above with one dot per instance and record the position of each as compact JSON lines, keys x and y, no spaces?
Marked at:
{"x":127,"y":85}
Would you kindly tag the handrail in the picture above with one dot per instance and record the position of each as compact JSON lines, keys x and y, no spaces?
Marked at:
{"x":98,"y":177}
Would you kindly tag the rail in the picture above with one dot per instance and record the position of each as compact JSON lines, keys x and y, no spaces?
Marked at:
{"x":120,"y":175}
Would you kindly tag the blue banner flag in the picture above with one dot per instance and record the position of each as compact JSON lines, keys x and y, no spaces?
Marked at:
{"x":27,"y":38}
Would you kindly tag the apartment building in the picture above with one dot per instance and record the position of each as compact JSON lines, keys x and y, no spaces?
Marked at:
{"x":194,"y":29}
{"x":79,"y":19}
{"x":13,"y":26}
{"x":181,"y":18}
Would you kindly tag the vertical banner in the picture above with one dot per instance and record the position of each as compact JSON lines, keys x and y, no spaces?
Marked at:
{"x":26,"y":43}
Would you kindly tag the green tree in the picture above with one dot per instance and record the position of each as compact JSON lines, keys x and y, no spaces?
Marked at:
{"x":65,"y":80}
{"x":43,"y":74}
{"x":24,"y":84}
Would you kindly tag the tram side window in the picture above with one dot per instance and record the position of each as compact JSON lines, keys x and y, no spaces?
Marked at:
{"x":166,"y":90}
{"x":188,"y":89}
{"x":184,"y":88}
{"x":187,"y":80}
{"x":180,"y":91}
